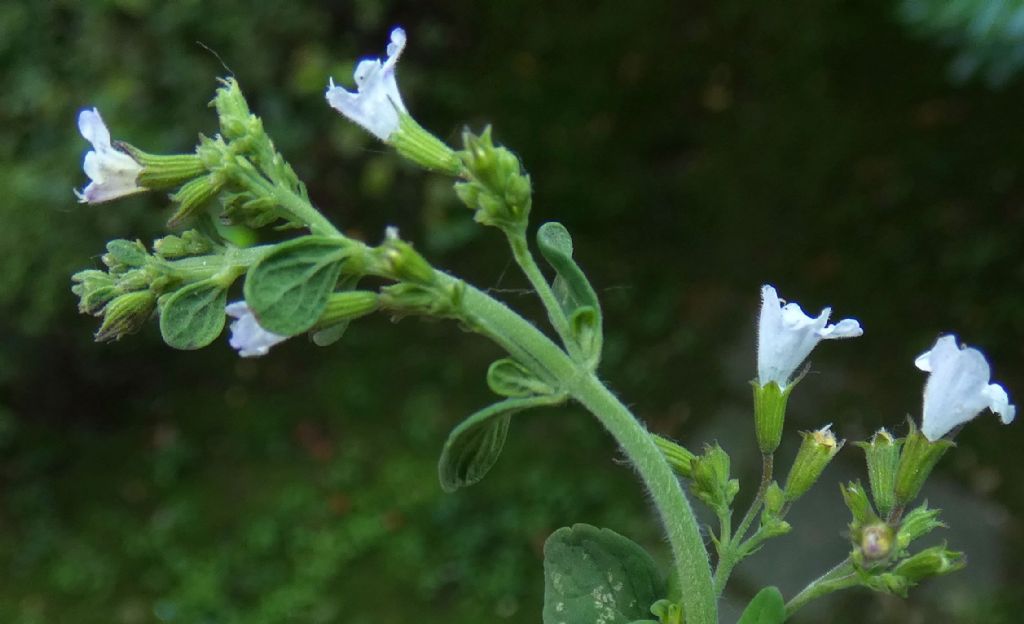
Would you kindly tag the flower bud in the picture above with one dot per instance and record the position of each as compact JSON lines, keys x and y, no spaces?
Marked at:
{"x":678,"y":457}
{"x":883,"y":457}
{"x":769,"y":414}
{"x":917,"y":460}
{"x":917,"y":523}
{"x":816,"y":451}
{"x":711,"y":482}
{"x":498,"y":190}
{"x":349,"y":305}
{"x":126,"y":315}
{"x":190,"y":243}
{"x":192,"y":197}
{"x":403,"y":262}
{"x":407,"y":298}
{"x":94,"y":289}
{"x":933,"y":561}
{"x":874,"y":543}
{"x":774,"y":499}
{"x":856,"y":500}
{"x":124,"y":254}
{"x":232,"y":109}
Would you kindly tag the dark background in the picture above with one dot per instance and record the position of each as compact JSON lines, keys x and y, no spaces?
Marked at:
{"x":696,"y":150}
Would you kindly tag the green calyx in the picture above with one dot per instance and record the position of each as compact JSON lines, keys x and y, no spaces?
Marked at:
{"x":917,"y":459}
{"x":412,"y":141}
{"x":770,"y":414}
{"x":125,"y":315}
{"x":883,"y":457}
{"x":711,"y":482}
{"x":677,"y":456}
{"x":164,"y":171}
{"x":816,"y":451}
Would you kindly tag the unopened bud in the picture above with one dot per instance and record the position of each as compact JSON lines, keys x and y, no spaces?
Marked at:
{"x":933,"y":561}
{"x":126,"y":315}
{"x":711,"y":482}
{"x":190,"y":243}
{"x":403,"y":262}
{"x":875,"y":542}
{"x":677,"y":456}
{"x":816,"y":451}
{"x":917,"y":523}
{"x":856,"y":499}
{"x":124,"y":254}
{"x":883,"y":458}
{"x":192,"y":197}
{"x":347,"y":306}
{"x":232,"y":109}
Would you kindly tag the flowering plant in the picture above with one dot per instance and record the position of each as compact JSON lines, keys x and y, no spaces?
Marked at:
{"x":311,"y":284}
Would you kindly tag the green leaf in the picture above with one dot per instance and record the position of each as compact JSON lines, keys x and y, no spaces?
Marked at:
{"x":510,"y":378}
{"x":474,"y":445}
{"x":767,"y":607}
{"x":571,"y":288}
{"x":193,"y":316}
{"x":287,"y":289}
{"x":596,"y":575}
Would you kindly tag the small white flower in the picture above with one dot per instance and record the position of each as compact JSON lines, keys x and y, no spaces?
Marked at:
{"x":377,"y":104}
{"x":247,"y":337}
{"x":958,"y":388}
{"x":786,"y":336}
{"x":113,"y":173}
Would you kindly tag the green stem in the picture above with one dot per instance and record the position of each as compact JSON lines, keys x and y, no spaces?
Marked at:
{"x":292,"y":205}
{"x":196,"y":268}
{"x":521,"y":251}
{"x":523,"y":340}
{"x":734,"y":550}
{"x":839,"y":577}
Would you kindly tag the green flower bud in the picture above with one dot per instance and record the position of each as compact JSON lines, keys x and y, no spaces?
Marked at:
{"x":678,"y":457}
{"x":917,"y":460}
{"x":498,"y":190}
{"x":423,"y":148}
{"x":888,"y":583}
{"x":917,"y":523}
{"x":403,"y":262}
{"x":123,"y":254}
{"x":232,"y":109}
{"x":770,"y":414}
{"x":856,"y":499}
{"x":126,"y":315}
{"x":883,"y":457}
{"x":774,"y":500}
{"x":192,"y":197}
{"x":349,"y":305}
{"x":934,"y":561}
{"x":407,"y":298}
{"x":190,"y":243}
{"x":816,"y":451}
{"x":711,"y":482}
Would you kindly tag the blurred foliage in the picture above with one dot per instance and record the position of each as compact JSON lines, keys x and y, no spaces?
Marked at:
{"x":694,"y":151}
{"x":988,"y":35}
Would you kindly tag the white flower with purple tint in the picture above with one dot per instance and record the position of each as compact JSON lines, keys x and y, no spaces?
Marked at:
{"x":958,"y":388}
{"x":113,"y":173}
{"x":247,"y":337}
{"x":376,"y":105}
{"x":786,"y":336}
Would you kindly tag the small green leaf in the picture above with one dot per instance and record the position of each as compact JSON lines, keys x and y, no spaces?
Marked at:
{"x":596,"y":575}
{"x":767,"y":607}
{"x":193,"y":316}
{"x":287,"y":289}
{"x":474,"y":445}
{"x":571,"y":288}
{"x":510,"y":378}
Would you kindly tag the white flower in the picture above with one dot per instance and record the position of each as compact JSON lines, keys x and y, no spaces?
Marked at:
{"x":377,"y":104}
{"x":113,"y":173}
{"x":247,"y":337}
{"x":786,"y":336}
{"x":958,"y":388}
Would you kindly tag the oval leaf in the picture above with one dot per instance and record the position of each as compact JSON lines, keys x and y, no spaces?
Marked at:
{"x":287,"y":289}
{"x":510,"y":378}
{"x":596,"y":575}
{"x":767,"y":607}
{"x":473,"y":447}
{"x":193,"y":316}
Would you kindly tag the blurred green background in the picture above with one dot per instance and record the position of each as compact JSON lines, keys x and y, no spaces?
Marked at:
{"x":842,"y":151}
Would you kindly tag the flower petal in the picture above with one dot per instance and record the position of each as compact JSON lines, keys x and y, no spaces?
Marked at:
{"x":247,"y":336}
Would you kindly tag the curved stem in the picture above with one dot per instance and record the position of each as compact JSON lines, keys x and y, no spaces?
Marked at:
{"x":521,"y":252}
{"x":524,"y":340}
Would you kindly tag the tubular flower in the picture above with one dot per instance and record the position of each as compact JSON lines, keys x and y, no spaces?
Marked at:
{"x":376,"y":105}
{"x":113,"y":173}
{"x":247,"y":337}
{"x":786,"y":336}
{"x":958,"y":388}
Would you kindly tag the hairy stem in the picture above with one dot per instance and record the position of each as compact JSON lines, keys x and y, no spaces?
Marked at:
{"x":839,"y":577}
{"x":523,"y":340}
